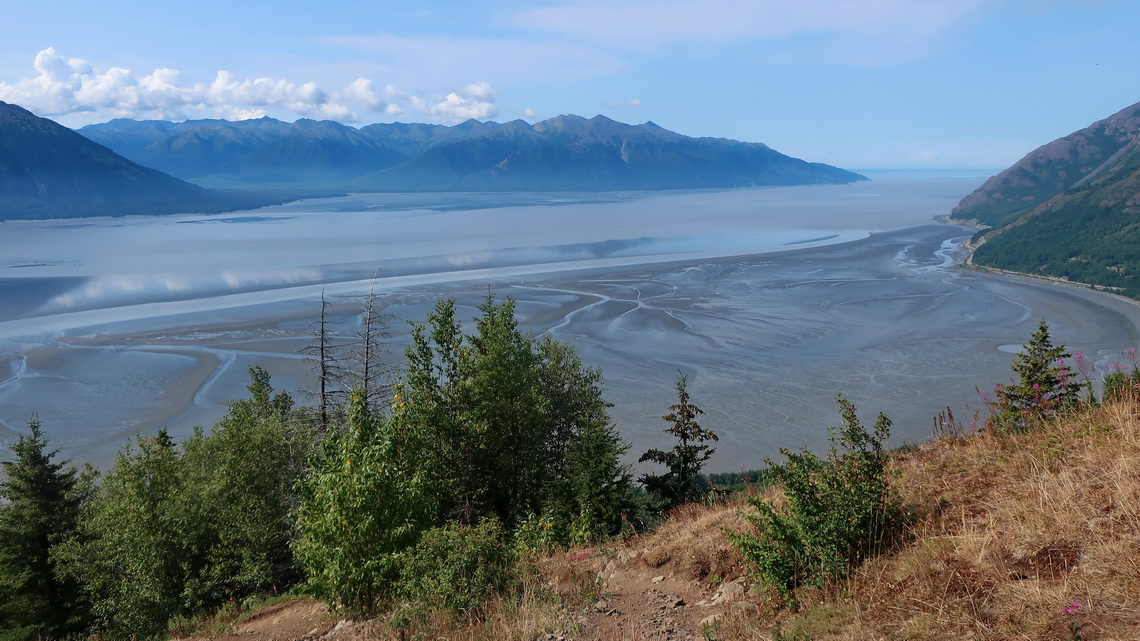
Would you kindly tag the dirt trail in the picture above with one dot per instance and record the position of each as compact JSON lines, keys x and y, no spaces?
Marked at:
{"x":657,"y":603}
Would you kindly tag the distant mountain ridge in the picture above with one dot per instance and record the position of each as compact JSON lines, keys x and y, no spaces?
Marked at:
{"x":1069,"y":209}
{"x":562,"y":153}
{"x":50,"y":171}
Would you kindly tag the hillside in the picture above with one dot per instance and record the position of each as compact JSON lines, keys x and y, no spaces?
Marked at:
{"x":49,"y":171}
{"x":1008,"y":531}
{"x":1068,"y":209}
{"x":563,"y":153}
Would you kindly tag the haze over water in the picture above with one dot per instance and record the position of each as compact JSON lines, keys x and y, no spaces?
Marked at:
{"x":772,"y":301}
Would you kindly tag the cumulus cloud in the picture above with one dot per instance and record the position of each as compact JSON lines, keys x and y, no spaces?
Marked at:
{"x":473,"y":101}
{"x":64,"y":86}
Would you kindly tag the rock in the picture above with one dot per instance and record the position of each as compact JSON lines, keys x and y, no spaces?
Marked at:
{"x":659,"y":579}
{"x":710,"y":620}
{"x":729,"y":592}
{"x":678,"y":602}
{"x":744,"y":607}
{"x":601,"y":605}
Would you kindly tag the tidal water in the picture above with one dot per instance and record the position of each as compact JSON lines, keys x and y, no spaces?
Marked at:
{"x":771,"y":301}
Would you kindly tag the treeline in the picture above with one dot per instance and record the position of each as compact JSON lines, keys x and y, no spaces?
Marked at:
{"x":490,"y":446}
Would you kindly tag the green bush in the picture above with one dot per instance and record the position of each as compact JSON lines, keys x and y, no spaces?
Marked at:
{"x":505,"y":425}
{"x":1123,"y":382}
{"x":177,"y":531}
{"x":360,"y":509}
{"x":459,"y":566}
{"x":837,"y":510}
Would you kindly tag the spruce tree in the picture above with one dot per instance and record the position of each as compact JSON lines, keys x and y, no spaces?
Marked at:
{"x":687,"y":457}
{"x":1045,"y":385}
{"x":40,"y":509}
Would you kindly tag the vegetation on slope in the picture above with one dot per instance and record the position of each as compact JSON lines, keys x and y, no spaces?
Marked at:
{"x":397,"y":512}
{"x":1068,"y":209}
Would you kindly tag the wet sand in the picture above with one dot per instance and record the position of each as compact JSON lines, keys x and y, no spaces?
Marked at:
{"x":767,"y":342}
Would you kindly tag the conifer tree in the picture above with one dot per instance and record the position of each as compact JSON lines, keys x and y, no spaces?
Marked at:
{"x":687,"y":457}
{"x":1044,"y":385}
{"x":41,"y":505}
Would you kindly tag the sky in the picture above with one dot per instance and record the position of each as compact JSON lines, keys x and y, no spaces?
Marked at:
{"x":862,"y":84}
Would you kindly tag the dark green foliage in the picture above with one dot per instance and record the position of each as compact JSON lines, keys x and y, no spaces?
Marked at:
{"x":507,"y":426}
{"x":1088,"y":233}
{"x":733,"y":481}
{"x":838,"y":509}
{"x":588,"y":486}
{"x":1084,"y":241}
{"x":131,"y":554}
{"x":41,"y":506}
{"x":458,"y":566}
{"x":362,"y":504}
{"x":685,"y":460}
{"x":1044,"y":386}
{"x":1068,"y":209}
{"x":177,"y":531}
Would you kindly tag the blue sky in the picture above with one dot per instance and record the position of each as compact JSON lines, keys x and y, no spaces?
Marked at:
{"x":857,"y":83}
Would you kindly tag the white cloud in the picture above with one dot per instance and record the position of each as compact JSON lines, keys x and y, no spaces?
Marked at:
{"x":64,"y":86}
{"x":622,"y":104}
{"x":473,"y":101}
{"x":650,"y":25}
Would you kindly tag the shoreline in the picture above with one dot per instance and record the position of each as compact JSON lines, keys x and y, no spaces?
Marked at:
{"x":734,"y":324}
{"x":968,"y":263}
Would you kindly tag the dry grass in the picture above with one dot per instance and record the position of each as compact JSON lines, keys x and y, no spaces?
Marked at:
{"x":692,"y":544}
{"x":1009,"y":529}
{"x":1012,"y":529}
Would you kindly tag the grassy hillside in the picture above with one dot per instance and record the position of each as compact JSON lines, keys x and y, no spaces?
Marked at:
{"x":1008,"y":530}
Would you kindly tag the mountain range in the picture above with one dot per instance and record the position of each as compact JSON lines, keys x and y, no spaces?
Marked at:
{"x":1069,"y":209}
{"x":566,"y":153}
{"x":50,"y":171}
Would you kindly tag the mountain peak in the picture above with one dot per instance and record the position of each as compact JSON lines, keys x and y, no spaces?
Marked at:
{"x":50,"y":171}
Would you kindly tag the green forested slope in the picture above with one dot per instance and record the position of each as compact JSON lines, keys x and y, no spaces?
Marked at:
{"x":1070,"y":209}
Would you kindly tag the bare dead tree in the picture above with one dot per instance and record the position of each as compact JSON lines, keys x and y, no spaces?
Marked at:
{"x":323,"y":351}
{"x":367,"y":368}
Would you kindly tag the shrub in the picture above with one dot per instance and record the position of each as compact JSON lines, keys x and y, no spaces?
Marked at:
{"x":458,"y":566}
{"x":837,"y":511}
{"x":360,"y":509}
{"x":1122,"y":382}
